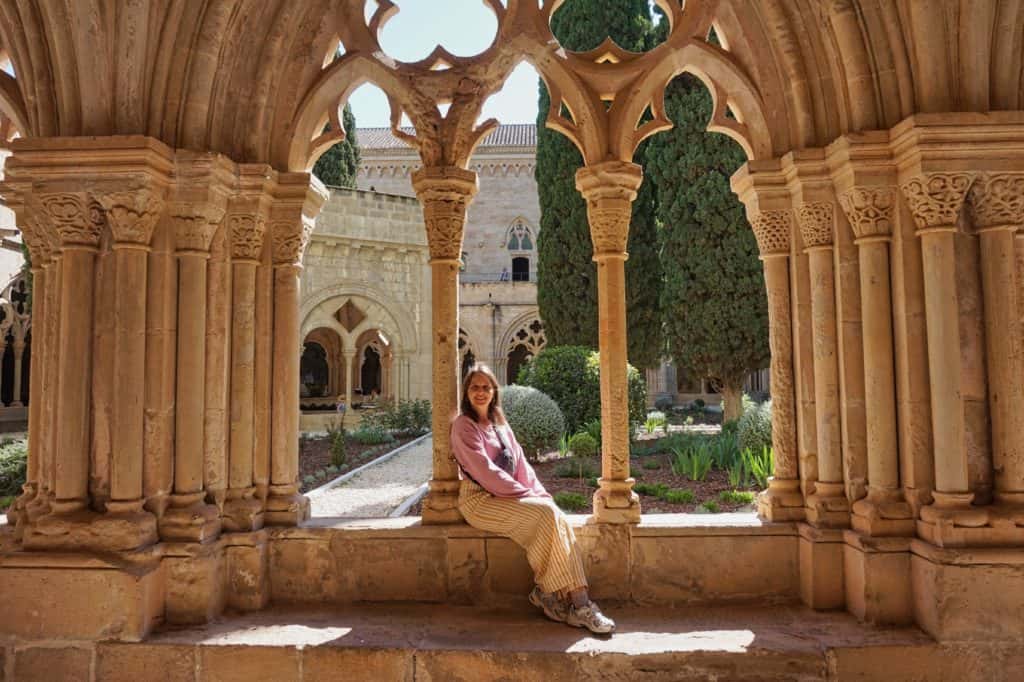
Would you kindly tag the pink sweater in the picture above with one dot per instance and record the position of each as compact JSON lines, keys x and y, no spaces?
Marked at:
{"x":476,"y":447}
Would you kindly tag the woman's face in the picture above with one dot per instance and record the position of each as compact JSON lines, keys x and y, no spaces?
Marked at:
{"x":481,"y":392}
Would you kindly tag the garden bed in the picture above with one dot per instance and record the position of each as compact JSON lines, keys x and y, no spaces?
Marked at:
{"x":315,"y":458}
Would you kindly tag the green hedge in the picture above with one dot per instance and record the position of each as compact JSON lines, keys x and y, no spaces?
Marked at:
{"x":534,"y":418}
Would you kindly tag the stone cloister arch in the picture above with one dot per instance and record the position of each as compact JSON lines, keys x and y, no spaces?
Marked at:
{"x":522,"y":338}
{"x":167,"y":176}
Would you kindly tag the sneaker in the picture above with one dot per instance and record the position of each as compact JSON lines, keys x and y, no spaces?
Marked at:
{"x":553,"y":607}
{"x":591,"y":618}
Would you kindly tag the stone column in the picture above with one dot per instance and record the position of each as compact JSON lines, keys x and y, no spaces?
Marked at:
{"x":243,"y":511}
{"x":883,"y":511}
{"x":387,"y":388}
{"x":78,"y":221}
{"x":189,"y":518}
{"x":609,"y":189}
{"x":782,"y":501}
{"x":445,"y":193}
{"x":218,"y":368}
{"x":348,"y":357}
{"x":19,"y":354}
{"x":51,"y":377}
{"x":996,"y":204}
{"x":935,"y":200}
{"x":290,"y":231}
{"x":132,"y":215}
{"x":827,"y":506}
{"x":263,"y":374}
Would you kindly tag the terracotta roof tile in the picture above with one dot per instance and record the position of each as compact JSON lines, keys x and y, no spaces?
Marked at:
{"x":510,"y":135}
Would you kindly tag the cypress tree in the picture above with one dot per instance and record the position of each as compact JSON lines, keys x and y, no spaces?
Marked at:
{"x":566,"y":273}
{"x":716,"y":312}
{"x":337,"y":167}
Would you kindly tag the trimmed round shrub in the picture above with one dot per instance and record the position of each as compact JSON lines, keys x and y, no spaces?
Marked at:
{"x":583,"y":445}
{"x":663,"y":403}
{"x":571,"y":375}
{"x":13,"y":465}
{"x":754,"y":429}
{"x":534,"y":418}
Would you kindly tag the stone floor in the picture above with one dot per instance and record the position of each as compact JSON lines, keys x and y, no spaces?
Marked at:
{"x":418,"y":642}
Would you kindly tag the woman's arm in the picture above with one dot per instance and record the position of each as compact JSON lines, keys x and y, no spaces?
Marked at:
{"x":471,"y":453}
{"x":524,"y":472}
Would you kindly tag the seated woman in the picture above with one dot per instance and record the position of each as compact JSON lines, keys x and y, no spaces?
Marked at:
{"x":500,"y":493}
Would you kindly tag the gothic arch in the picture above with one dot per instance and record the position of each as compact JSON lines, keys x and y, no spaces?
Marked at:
{"x":523,"y":338}
{"x":399,"y":322}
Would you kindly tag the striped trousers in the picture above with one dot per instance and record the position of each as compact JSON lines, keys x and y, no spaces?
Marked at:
{"x":534,"y":523}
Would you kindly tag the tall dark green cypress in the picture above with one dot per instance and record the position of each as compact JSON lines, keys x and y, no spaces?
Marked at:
{"x":338,"y":166}
{"x":566,"y":274}
{"x":716,"y":312}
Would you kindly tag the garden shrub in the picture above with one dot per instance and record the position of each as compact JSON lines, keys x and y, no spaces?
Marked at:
{"x":754,"y":430}
{"x":711,"y":507}
{"x":369,"y":434}
{"x":13,"y":466}
{"x":736,"y":496}
{"x":655,"y":420}
{"x":583,"y":445}
{"x":404,"y":418}
{"x":663,"y":404}
{"x":571,"y":376}
{"x":534,"y":418}
{"x":577,"y":467}
{"x":679,"y":496}
{"x":570,"y":502}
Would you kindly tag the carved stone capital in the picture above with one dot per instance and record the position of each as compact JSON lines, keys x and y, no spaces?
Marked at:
{"x":936,"y":198}
{"x":869,"y":210}
{"x":609,"y":189}
{"x":772,"y":231}
{"x":247,"y":231}
{"x":132,"y":214}
{"x":290,"y":238}
{"x":34,"y":234}
{"x":195,"y":225}
{"x":816,"y":219}
{"x":997,"y":200}
{"x":76,"y":217}
{"x":445,"y":193}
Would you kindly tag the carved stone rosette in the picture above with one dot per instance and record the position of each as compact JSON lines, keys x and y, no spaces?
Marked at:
{"x":132,"y":214}
{"x":936,"y":198}
{"x":869,"y":210}
{"x":247,"y":232}
{"x":816,"y":220}
{"x":996,"y":200}
{"x":772,"y":231}
{"x":75,"y":216}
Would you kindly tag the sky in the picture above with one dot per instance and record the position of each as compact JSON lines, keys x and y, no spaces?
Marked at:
{"x":464,"y":28}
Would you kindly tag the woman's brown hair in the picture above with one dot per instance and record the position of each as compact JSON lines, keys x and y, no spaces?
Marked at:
{"x":494,"y":411}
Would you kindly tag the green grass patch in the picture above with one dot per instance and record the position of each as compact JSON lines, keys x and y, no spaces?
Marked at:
{"x":711,"y":506}
{"x":576,"y":467}
{"x":592,"y":482}
{"x":736,"y":497}
{"x":651,"y":464}
{"x":651,"y":489}
{"x":679,"y":496}
{"x":570,"y":502}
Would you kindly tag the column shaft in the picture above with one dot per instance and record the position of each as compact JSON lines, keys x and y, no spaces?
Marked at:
{"x":19,"y":355}
{"x":263,"y":374}
{"x":611,"y":306}
{"x":217,"y":373}
{"x":191,"y":396}
{"x":826,"y":370}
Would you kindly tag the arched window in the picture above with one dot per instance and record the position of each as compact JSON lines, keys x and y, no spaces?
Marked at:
{"x":313,"y":370}
{"x":520,"y":243}
{"x":520,"y":269}
{"x":524,"y":344}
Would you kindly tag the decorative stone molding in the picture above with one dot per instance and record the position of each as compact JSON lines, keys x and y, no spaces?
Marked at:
{"x":772,"y":231}
{"x":195,"y":226}
{"x":869,"y":210}
{"x":816,"y":219}
{"x":132,"y":214}
{"x":997,"y":200}
{"x":76,"y":217}
{"x":290,"y":238}
{"x":247,"y":233}
{"x":609,"y":188}
{"x":445,"y":193}
{"x":936,"y":198}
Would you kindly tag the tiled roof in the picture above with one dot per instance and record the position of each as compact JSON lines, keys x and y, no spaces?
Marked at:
{"x":510,"y":135}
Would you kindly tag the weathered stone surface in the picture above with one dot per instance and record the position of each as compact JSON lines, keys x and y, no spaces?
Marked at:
{"x":248,"y":582}
{"x":232,"y":663}
{"x":821,"y":567}
{"x":46,"y":664}
{"x":195,"y":586}
{"x":131,"y":663}
{"x":340,"y":664}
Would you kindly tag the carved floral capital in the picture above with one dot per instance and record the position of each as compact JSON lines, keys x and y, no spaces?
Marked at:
{"x":997,"y":200}
{"x":772,"y":231}
{"x":445,"y":193}
{"x":816,"y":219}
{"x":195,"y":225}
{"x":609,"y":189}
{"x":76,"y":218}
{"x":869,"y":210}
{"x":247,"y":232}
{"x":290,"y":238}
{"x":936,"y":198}
{"x":132,"y":214}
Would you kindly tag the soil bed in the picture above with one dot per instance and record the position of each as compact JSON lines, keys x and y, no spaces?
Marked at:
{"x":315,"y":455}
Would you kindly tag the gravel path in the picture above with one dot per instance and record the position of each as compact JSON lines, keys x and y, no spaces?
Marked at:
{"x":375,"y":492}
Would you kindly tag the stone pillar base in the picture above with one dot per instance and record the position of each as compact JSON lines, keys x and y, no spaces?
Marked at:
{"x":441,"y":505}
{"x":286,"y":510}
{"x":828,"y":507}
{"x":247,"y":561}
{"x":195,"y":581}
{"x":878,"y":518}
{"x":87,"y":530}
{"x":242,"y":515}
{"x":615,"y":502}
{"x":81,"y":596}
{"x":196,"y":522}
{"x":821,"y":567}
{"x":876,"y":572}
{"x":782,"y":501}
{"x":968,"y":594}
{"x":998,"y":525}
{"x":607,"y":559}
